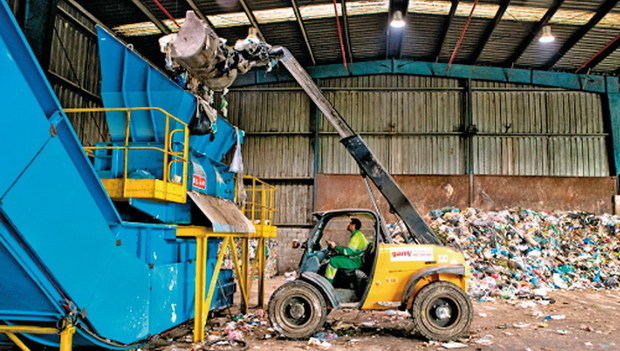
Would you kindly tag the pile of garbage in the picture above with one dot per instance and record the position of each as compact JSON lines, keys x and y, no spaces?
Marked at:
{"x":240,"y":326}
{"x":520,"y":253}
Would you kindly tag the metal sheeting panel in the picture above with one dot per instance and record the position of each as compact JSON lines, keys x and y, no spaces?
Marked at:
{"x":278,"y":156}
{"x":542,"y":156}
{"x":294,"y":202}
{"x":389,"y":81}
{"x":574,"y":112}
{"x":590,"y":44}
{"x":470,"y":41}
{"x":559,"y":112}
{"x":510,"y":112}
{"x":335,"y":159}
{"x":369,"y":40}
{"x":497,"y":48}
{"x":259,"y":111}
{"x":511,"y":155}
{"x":90,"y":127}
{"x":397,"y":111}
{"x":578,"y":156}
{"x":74,"y":50}
{"x":420,"y":39}
{"x":426,"y":155}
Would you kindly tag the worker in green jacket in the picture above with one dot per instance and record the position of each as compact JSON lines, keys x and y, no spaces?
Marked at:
{"x":349,"y":257}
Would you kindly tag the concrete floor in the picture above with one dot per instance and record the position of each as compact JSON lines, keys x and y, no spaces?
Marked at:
{"x":591,"y":323}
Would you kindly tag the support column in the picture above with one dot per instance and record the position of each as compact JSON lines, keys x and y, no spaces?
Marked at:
{"x":66,"y":338}
{"x":261,"y":272}
{"x":245,"y":268}
{"x":199,"y":288}
{"x":613,"y":105}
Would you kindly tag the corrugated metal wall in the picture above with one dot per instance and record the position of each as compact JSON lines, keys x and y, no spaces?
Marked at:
{"x":415,"y":126}
{"x":74,"y":70}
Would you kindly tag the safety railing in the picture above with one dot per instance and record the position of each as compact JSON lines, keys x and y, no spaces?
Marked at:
{"x":259,"y":202}
{"x":170,"y":156}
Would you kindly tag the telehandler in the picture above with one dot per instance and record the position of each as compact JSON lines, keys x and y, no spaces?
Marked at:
{"x":418,"y":275}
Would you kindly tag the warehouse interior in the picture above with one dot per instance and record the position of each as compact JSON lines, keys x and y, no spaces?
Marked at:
{"x":492,"y":117}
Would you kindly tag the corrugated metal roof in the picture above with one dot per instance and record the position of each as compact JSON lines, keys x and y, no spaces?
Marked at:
{"x":421,"y":36}
{"x":472,"y":37}
{"x":537,"y":54}
{"x":368,"y":36}
{"x":500,"y":47}
{"x":596,"y":39}
{"x":420,"y":39}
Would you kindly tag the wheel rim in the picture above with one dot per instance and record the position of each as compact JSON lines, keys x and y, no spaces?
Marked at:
{"x":296,"y":311}
{"x":443,"y":312}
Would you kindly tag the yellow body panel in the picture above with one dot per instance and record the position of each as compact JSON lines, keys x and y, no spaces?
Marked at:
{"x":396,"y":263}
{"x":150,"y":189}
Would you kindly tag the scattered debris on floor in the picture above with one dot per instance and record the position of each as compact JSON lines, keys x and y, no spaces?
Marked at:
{"x":520,"y":253}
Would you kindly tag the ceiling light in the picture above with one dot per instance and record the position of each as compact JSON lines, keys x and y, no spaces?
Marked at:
{"x":546,"y":36}
{"x":397,"y":20}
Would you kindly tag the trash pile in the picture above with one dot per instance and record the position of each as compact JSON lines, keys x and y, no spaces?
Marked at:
{"x":520,"y":253}
{"x":240,"y":326}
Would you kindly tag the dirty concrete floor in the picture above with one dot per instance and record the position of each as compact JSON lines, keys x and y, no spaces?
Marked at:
{"x":591,"y":323}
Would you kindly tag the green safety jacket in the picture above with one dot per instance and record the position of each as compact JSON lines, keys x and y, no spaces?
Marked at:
{"x":355,"y":251}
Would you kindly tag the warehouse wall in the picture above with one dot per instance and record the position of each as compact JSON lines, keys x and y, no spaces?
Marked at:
{"x":74,"y":71}
{"x":455,"y":142}
{"x":73,"y":68}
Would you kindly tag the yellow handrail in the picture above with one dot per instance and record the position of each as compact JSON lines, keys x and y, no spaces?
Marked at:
{"x":259,"y":207}
{"x":170,"y":156}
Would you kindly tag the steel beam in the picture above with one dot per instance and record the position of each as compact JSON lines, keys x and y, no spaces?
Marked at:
{"x":601,"y":12}
{"x":525,"y":43}
{"x":613,"y":109}
{"x":602,"y":54}
{"x":583,"y":82}
{"x":251,"y":18}
{"x":444,"y":29}
{"x":347,"y":35}
{"x":302,"y":28}
{"x":159,"y":24}
{"x":488,"y":31}
{"x":395,"y":36}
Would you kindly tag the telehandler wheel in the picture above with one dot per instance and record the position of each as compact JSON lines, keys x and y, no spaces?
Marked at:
{"x":297,"y":310}
{"x":442,"y":311}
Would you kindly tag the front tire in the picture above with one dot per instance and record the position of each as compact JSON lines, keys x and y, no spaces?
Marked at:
{"x":297,"y":310}
{"x":442,"y":311}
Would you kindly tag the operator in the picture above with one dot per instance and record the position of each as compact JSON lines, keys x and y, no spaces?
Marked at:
{"x":349,"y":257}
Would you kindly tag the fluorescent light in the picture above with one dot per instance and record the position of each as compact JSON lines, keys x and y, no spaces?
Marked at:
{"x":397,"y":20}
{"x":546,"y":36}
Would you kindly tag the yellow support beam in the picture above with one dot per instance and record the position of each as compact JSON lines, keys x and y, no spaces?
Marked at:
{"x":199,"y":288}
{"x":66,"y":335}
{"x":20,"y":344}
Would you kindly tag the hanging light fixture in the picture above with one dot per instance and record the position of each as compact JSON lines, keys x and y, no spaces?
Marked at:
{"x":397,"y":20}
{"x":546,"y":36}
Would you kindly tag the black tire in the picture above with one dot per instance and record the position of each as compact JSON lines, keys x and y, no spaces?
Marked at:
{"x":442,"y":311}
{"x":297,"y":310}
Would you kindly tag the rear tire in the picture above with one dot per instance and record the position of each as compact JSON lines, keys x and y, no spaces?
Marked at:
{"x":297,"y":310}
{"x":442,"y":311}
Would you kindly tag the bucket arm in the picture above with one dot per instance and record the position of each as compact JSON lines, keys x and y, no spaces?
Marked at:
{"x":362,"y":154}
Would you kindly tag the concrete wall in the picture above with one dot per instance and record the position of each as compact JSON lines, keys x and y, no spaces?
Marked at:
{"x":592,"y":194}
{"x":287,"y":257}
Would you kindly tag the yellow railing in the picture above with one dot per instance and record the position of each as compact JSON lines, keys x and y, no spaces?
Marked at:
{"x":169,"y":155}
{"x":259,"y":202}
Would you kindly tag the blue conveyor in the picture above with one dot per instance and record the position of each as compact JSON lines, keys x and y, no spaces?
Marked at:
{"x":65,"y":253}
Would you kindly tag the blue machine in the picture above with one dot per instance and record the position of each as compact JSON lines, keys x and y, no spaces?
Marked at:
{"x":67,"y":251}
